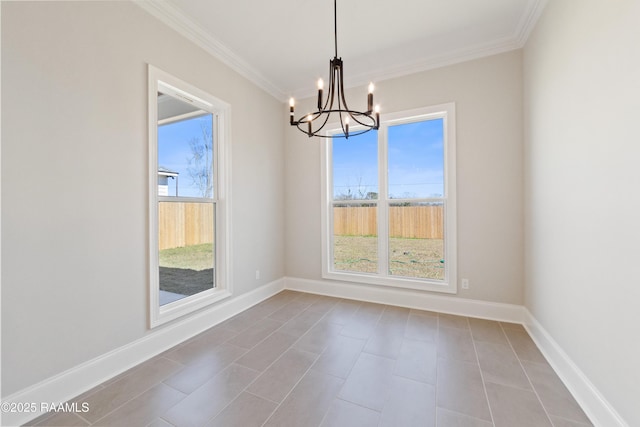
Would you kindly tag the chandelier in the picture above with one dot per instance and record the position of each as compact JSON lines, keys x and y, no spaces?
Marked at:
{"x":313,"y":123}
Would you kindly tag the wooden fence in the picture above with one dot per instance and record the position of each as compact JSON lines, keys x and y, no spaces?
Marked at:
{"x":417,"y":222}
{"x":184,"y":224}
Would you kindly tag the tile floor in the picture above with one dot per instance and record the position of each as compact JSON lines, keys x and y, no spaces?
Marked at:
{"x":306,"y":360}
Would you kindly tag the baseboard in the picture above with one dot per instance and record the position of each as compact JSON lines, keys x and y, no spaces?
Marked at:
{"x":409,"y":298}
{"x":81,"y":378}
{"x":592,"y":402}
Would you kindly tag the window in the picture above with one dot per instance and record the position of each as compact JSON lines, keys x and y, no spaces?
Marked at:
{"x":188,"y":198}
{"x":389,"y":204}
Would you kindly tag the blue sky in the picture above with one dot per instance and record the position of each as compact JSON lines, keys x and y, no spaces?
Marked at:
{"x":415,"y":156}
{"x":174,"y":152}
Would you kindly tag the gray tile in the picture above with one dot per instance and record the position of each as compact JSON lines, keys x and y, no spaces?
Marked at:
{"x":339,"y":356}
{"x":394,"y":316}
{"x":143,"y":409}
{"x":460,"y":389}
{"x":209,"y":364}
{"x":512,"y":406}
{"x":318,"y":337}
{"x":563,"y":422}
{"x":456,"y":344}
{"x":197,"y":349}
{"x":159,"y":422}
{"x":211,"y":398}
{"x":513,"y":326}
{"x":453,"y":321}
{"x":252,"y":336}
{"x":555,"y":397}
{"x":62,"y":419}
{"x":500,"y":365}
{"x":309,"y":298}
{"x":343,"y":311}
{"x":363,"y":322}
{"x":308,"y":402}
{"x":346,"y":414}
{"x":126,"y":388}
{"x":240,"y":322}
{"x":369,"y":382}
{"x":323,"y":304}
{"x":280,"y":378}
{"x":386,"y":340}
{"x":524,"y":346}
{"x":265,"y":353}
{"x":273,"y":304}
{"x":410,"y":403}
{"x":132,"y":370}
{"x":422,"y":327}
{"x":487,"y":331}
{"x":417,"y":312}
{"x":448,"y":418}
{"x":289,"y":310}
{"x":417,"y":361}
{"x":245,"y":411}
{"x":300,"y":324}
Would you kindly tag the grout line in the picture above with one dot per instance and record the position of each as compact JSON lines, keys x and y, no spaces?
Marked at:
{"x":484,"y":385}
{"x":527,"y":375}
{"x":437,"y":371}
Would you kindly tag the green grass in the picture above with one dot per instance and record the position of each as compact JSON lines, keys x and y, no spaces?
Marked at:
{"x":194,"y":257}
{"x":421,"y":258}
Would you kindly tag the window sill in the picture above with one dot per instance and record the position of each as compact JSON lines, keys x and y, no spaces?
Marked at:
{"x":394,"y":282}
{"x":184,"y":306}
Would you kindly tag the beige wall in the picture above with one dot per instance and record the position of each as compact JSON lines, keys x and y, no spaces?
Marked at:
{"x":74,"y":178}
{"x":488,"y":97}
{"x":582,"y":187}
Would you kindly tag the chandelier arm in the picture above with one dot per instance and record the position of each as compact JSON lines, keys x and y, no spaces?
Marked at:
{"x":355,"y":114}
{"x":329,"y":101}
{"x":326,"y":119}
{"x":340,"y":118}
{"x":341,"y":89}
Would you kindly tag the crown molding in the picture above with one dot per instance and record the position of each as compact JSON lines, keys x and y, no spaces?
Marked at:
{"x":517,"y":40}
{"x":436,"y":61}
{"x":175,"y":19}
{"x":528,"y":21}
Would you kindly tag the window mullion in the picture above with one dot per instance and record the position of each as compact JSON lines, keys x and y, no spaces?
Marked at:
{"x":383,"y":204}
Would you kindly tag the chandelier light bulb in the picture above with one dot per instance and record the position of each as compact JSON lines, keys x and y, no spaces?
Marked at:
{"x":292,"y":102}
{"x":371,"y":87}
{"x":320,"y":84}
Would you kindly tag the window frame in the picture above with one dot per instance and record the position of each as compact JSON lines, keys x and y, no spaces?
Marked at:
{"x":163,"y":81}
{"x":382,"y":278}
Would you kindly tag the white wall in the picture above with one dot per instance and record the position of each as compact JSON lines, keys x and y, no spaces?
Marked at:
{"x":74,"y":178}
{"x":488,"y":97}
{"x":582,"y":187}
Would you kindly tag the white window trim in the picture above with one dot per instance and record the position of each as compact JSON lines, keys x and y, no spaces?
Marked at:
{"x":449,"y":284}
{"x":159,"y":315}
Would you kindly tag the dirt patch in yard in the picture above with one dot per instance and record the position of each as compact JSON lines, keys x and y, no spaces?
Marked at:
{"x":423,"y":258}
{"x":185,"y":281}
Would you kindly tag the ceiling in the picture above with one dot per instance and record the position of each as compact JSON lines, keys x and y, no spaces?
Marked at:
{"x":284,"y":46}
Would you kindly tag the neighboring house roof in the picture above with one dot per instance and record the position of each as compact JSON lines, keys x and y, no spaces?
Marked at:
{"x":166,"y":172}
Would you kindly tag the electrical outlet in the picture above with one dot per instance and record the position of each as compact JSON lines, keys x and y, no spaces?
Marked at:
{"x":257,"y":274}
{"x":465,"y":283}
